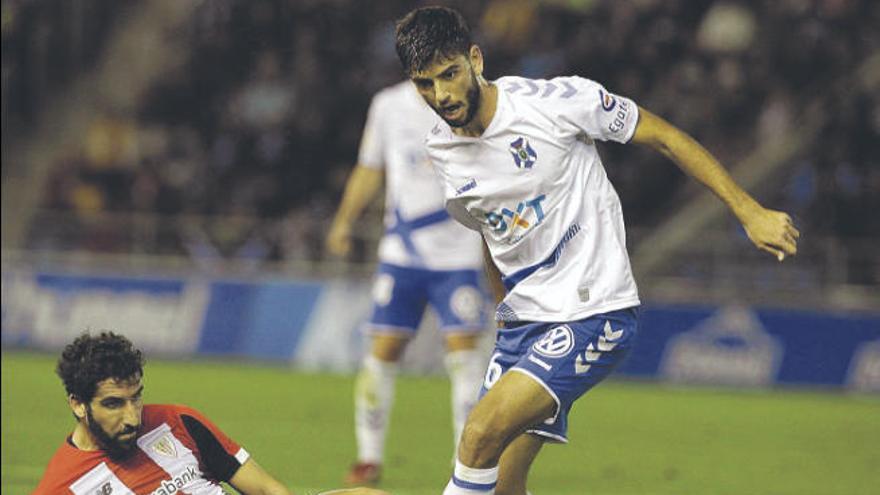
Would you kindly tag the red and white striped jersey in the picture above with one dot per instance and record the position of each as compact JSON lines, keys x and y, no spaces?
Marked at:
{"x":179,"y":451}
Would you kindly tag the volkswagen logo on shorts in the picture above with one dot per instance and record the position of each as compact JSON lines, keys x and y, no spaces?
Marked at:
{"x":556,"y":342}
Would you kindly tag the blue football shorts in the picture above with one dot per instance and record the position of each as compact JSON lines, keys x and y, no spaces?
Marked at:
{"x":567,"y":359}
{"x":401,"y":294}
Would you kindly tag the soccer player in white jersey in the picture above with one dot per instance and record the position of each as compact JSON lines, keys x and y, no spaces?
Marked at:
{"x":519,"y":162}
{"x":425,"y":258}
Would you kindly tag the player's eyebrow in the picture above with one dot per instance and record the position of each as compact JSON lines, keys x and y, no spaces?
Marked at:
{"x":422,"y":80}
{"x":451,"y":68}
{"x":426,"y":78}
{"x":137,"y":393}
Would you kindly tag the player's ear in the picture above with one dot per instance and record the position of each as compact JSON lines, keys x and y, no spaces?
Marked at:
{"x":78,"y":407}
{"x":475,"y":55}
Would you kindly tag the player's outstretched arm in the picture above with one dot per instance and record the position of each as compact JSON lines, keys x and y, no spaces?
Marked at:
{"x":251,"y":479}
{"x":361,"y":188}
{"x":769,"y":230}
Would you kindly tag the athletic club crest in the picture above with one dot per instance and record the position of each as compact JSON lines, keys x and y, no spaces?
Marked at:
{"x":165,"y":446}
{"x":523,"y":154}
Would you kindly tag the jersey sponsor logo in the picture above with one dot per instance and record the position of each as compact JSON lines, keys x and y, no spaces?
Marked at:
{"x":509,"y":219}
{"x":105,"y":489}
{"x":557,"y":342}
{"x":608,"y":101}
{"x":470,"y":184}
{"x":620,"y":117}
{"x":164,"y":446}
{"x":524,"y":155}
{"x":177,"y":483}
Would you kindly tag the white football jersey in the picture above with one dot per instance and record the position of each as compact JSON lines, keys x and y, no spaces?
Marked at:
{"x":419,"y":231}
{"x":533,"y":184}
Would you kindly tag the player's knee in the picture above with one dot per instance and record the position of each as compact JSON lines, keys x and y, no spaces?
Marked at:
{"x":461,"y":342}
{"x":388,"y":349}
{"x":481,"y":443}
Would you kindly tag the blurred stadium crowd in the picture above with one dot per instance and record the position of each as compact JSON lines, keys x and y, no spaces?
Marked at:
{"x":242,"y":151}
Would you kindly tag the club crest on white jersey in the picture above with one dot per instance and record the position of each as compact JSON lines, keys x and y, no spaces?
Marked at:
{"x":523,"y":154}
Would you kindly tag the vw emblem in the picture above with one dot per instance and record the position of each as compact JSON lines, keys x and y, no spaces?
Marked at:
{"x":557,"y":342}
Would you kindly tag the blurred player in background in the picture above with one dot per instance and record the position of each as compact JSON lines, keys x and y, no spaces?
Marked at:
{"x":121,"y":445}
{"x":424,"y":258}
{"x":520,"y":165}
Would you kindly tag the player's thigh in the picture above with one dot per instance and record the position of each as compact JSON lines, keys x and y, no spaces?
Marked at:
{"x":513,"y":468}
{"x":514,"y":403}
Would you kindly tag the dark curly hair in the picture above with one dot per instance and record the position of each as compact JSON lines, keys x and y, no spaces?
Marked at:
{"x":89,"y":360}
{"x":425,"y":33}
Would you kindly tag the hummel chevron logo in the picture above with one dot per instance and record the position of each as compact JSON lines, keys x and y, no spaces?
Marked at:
{"x":606,"y":343}
{"x":569,"y":90}
{"x":549,"y":88}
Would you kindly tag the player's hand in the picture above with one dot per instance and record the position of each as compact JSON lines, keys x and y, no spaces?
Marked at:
{"x":338,"y":240}
{"x":772,"y":231}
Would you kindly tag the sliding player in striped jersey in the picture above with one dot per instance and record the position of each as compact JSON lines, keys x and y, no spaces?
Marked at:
{"x":120,"y":445}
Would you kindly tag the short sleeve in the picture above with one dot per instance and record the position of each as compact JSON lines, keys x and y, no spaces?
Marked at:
{"x":595,"y":111}
{"x":220,"y":454}
{"x":371,"y":152}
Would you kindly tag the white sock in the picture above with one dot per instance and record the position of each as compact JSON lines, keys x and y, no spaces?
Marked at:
{"x":466,"y":369}
{"x":472,"y":481}
{"x":373,"y":395}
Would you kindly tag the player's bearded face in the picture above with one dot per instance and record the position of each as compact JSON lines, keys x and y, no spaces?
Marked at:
{"x":117,"y":445}
{"x":452,"y":89}
{"x":114,"y":416}
{"x":471,"y":103}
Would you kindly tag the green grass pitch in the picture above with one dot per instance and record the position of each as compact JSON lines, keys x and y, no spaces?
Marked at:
{"x":626,"y":438}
